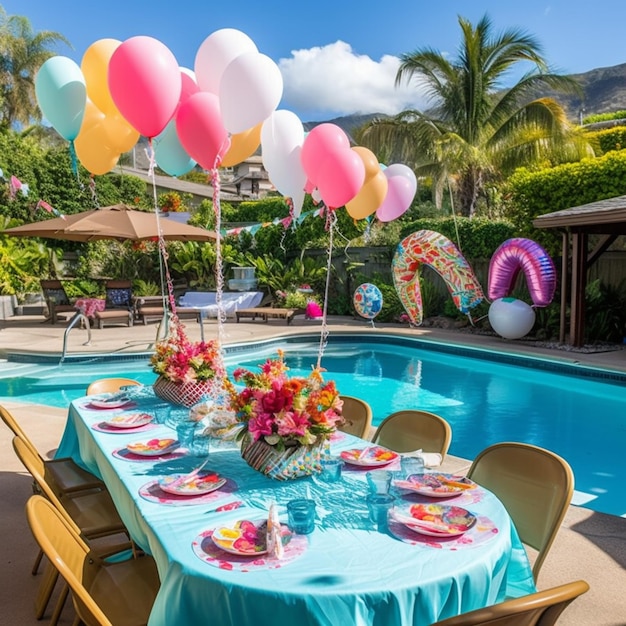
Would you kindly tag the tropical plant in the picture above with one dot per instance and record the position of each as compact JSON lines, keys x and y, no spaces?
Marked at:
{"x":476,"y":130}
{"x":22,"y":53}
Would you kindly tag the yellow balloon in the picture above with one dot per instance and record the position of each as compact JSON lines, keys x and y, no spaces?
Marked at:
{"x":121,"y":135}
{"x":242,"y":146}
{"x":372,"y":166}
{"x":369,"y":198}
{"x":95,"y":67}
{"x":92,"y":145}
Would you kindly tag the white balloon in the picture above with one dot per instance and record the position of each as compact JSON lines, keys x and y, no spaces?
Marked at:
{"x":250,"y":90}
{"x":287,"y":174}
{"x":282,"y":131}
{"x":511,"y":318}
{"x":216,"y":52}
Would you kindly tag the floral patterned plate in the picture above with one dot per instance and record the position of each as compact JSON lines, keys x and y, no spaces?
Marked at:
{"x":435,"y":520}
{"x":153,"y":447}
{"x":204,"y":482}
{"x":110,"y":403}
{"x":246,"y":538}
{"x":131,"y":420}
{"x":435,"y":485}
{"x":373,"y":456}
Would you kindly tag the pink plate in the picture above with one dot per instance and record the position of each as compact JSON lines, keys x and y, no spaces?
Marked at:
{"x":129,"y":420}
{"x":435,"y":485}
{"x":435,"y":520}
{"x":205,"y":482}
{"x":374,"y":456}
{"x":153,"y":447}
{"x":246,"y":538}
{"x":109,"y":404}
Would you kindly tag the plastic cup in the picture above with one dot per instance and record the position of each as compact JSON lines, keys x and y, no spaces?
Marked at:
{"x":301,"y":516}
{"x":185,"y":433}
{"x":379,"y":481}
{"x":331,"y":469}
{"x":411,"y":465}
{"x":379,"y":505}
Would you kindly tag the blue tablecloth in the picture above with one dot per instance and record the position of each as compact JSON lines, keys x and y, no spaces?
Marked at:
{"x":348,"y":573}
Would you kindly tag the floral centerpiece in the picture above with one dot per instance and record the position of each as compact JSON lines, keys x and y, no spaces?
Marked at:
{"x":284,"y":422}
{"x":188,"y":371}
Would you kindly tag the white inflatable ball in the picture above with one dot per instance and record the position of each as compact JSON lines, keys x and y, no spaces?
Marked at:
{"x":511,"y":318}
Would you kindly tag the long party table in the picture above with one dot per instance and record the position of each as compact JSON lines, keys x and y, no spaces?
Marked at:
{"x":346,"y":572}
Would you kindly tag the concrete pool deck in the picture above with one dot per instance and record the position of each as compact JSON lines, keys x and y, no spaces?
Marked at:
{"x":590,"y":545}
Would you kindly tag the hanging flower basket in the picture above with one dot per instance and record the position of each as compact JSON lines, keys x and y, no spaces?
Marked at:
{"x":286,"y":464}
{"x":183,"y":394}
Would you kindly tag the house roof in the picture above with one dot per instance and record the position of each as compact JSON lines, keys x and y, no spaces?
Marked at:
{"x":606,"y":217}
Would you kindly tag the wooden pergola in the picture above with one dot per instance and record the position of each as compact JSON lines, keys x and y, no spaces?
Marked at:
{"x":606,"y":218}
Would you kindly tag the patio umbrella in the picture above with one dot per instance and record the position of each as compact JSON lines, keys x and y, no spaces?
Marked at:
{"x":113,"y":222}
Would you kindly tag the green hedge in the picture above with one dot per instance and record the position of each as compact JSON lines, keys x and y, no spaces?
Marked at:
{"x":573,"y":184}
{"x":609,"y":138}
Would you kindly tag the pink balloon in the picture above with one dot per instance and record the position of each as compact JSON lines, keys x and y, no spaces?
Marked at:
{"x":189,"y":86}
{"x":323,"y":140}
{"x":341,"y":176}
{"x":200,"y":129}
{"x":400,"y":194}
{"x":145,"y":83}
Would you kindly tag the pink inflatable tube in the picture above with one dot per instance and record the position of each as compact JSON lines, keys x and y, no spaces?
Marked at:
{"x":516,"y":255}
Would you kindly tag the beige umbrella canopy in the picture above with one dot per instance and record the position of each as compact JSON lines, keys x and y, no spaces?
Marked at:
{"x":113,"y":222}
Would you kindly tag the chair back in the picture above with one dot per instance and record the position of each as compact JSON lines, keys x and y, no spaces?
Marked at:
{"x":70,"y":555}
{"x":534,"y":484}
{"x":536,"y":609}
{"x":357,"y":415}
{"x":53,"y":291}
{"x":17,"y":430}
{"x":109,"y":385}
{"x":412,"y":429}
{"x":119,"y":294}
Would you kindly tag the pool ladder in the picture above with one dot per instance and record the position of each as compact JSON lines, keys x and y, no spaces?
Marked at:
{"x":79,"y":315}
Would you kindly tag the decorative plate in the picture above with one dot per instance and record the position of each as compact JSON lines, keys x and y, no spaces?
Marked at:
{"x":153,"y":447}
{"x":435,"y":520}
{"x":131,"y":420}
{"x":373,"y":456}
{"x":110,"y":403}
{"x":204,"y":482}
{"x":246,"y":538}
{"x":435,"y":485}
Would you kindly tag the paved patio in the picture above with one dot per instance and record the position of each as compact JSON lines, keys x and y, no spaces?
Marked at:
{"x":590,"y":545}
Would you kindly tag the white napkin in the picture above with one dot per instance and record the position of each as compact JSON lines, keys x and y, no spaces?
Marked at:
{"x":431,"y":459}
{"x":274,"y":540}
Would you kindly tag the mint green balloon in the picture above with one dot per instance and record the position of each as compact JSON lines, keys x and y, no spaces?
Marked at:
{"x":62,"y":95}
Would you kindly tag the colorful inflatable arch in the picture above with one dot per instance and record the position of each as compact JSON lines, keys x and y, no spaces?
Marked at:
{"x":522,"y":255}
{"x":433,"y":249}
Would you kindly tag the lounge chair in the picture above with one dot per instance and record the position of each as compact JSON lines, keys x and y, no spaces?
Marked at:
{"x":150,"y":309}
{"x":56,"y":299}
{"x":119,"y":304}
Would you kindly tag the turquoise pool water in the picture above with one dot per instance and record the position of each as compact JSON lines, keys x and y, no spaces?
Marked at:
{"x":486,"y":398}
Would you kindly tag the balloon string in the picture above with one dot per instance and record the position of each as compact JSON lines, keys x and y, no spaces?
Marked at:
{"x":219,"y":269}
{"x":324,"y":330}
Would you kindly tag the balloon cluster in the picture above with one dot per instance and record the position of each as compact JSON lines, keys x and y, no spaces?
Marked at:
{"x":216,"y":115}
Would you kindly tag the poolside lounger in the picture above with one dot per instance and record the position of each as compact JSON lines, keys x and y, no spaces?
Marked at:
{"x":265,"y":313}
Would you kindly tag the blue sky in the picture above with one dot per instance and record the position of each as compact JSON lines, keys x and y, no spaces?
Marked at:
{"x":339,"y":57}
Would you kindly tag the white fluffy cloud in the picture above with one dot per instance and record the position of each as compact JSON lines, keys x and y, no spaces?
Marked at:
{"x":331,"y":81}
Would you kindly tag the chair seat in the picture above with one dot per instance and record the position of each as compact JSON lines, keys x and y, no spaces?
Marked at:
{"x":94,"y":513}
{"x":113,"y":315}
{"x":126,"y":590}
{"x":265,"y":313}
{"x":70,"y":477}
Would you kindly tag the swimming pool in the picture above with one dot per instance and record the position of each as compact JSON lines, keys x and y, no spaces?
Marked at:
{"x":487,"y":397}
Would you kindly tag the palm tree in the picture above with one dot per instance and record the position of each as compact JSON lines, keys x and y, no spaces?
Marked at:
{"x":22,"y":52}
{"x":476,"y":130}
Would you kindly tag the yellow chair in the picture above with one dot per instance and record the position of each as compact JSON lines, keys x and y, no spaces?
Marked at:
{"x":92,"y":513}
{"x":534,"y":484}
{"x":64,"y":474}
{"x":536,"y":609}
{"x":109,"y":385}
{"x":104,"y":593}
{"x":357,"y":415}
{"x":406,"y":431}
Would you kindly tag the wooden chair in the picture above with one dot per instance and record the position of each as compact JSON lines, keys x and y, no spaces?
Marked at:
{"x":537,"y":609}
{"x":109,"y":385}
{"x":63,"y":473}
{"x":534,"y":484}
{"x":104,"y":593}
{"x":56,"y":299}
{"x":357,"y":415}
{"x":406,"y":431}
{"x":119,"y":305}
{"x":93,"y":514}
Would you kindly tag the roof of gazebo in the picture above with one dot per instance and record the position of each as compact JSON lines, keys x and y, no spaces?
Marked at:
{"x":606,"y":217}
